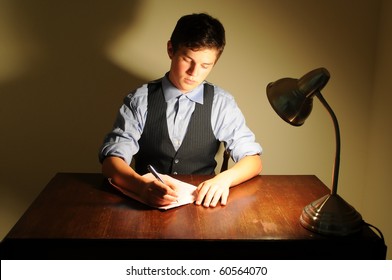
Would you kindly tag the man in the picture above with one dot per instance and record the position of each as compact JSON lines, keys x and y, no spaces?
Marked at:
{"x":176,"y":124}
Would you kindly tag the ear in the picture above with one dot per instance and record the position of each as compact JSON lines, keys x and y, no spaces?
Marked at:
{"x":170,"y":51}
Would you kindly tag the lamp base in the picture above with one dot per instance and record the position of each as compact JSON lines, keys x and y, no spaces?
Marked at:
{"x":331,"y":215}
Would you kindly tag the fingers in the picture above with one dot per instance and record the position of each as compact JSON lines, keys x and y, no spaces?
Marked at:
{"x":163,"y":189}
{"x":169,"y":183}
{"x":209,"y":195}
{"x":159,"y":194}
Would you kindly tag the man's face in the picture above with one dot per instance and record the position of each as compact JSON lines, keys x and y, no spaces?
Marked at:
{"x":190,"y":67}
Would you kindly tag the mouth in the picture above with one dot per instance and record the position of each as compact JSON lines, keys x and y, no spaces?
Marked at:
{"x":189,"y":81}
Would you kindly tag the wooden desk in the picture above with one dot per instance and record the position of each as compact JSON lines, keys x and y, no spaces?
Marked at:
{"x":79,"y":216}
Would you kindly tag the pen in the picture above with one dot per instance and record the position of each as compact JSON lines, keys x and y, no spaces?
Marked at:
{"x":156,"y":175}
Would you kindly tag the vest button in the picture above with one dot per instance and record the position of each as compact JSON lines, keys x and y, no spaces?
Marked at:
{"x":176,"y":161}
{"x":175,"y":173}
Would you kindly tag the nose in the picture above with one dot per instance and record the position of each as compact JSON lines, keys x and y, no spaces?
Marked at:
{"x":193,"y":69}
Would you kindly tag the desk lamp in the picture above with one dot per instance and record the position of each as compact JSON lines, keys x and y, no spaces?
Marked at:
{"x":292,"y":100}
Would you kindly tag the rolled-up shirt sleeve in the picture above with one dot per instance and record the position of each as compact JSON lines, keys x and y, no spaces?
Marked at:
{"x":230,"y":127}
{"x":122,"y":140}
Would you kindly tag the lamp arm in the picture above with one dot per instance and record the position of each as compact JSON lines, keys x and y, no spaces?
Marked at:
{"x":337,"y":136}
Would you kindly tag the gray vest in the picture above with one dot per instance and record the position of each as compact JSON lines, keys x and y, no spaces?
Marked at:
{"x":196,"y":154}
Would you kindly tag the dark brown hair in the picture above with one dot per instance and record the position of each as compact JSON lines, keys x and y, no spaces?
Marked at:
{"x":196,"y":31}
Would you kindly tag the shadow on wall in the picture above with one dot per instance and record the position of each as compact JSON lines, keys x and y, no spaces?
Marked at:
{"x":55,"y":115}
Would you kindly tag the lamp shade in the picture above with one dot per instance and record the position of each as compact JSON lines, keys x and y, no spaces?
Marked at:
{"x":292,"y":99}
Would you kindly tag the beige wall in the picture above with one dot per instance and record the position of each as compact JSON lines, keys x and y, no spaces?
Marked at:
{"x":64,"y":69}
{"x":377,"y":193}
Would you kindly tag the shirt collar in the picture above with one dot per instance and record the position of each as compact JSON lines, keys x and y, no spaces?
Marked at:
{"x":170,"y":91}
